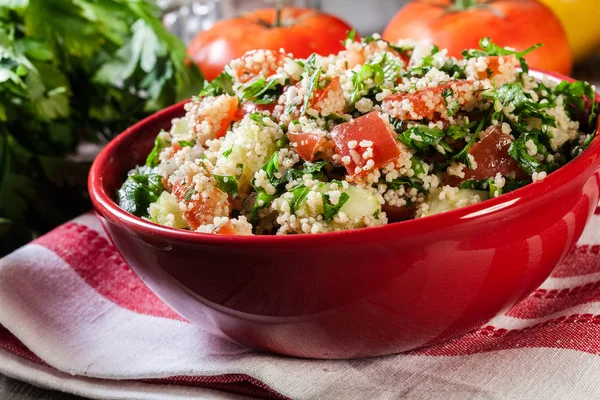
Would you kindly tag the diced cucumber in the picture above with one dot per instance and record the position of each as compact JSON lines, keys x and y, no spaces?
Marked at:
{"x":165,"y":206}
{"x":361,"y":203}
{"x":462,"y":198}
{"x":247,"y":150}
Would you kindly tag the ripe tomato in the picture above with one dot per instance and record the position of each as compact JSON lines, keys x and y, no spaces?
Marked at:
{"x":300,"y":32}
{"x":491,"y":156}
{"x":367,"y":142}
{"x":458,"y":25}
{"x":307,"y":145}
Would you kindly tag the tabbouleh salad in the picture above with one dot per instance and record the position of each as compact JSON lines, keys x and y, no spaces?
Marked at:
{"x":378,"y":133}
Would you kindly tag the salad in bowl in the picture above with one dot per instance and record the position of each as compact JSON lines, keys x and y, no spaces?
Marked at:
{"x":377,"y":133}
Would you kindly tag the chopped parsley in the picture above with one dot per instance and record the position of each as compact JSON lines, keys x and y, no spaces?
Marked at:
{"x":527,"y":162}
{"x":187,"y":196}
{"x":313,"y":82}
{"x":222,"y":84}
{"x":227,"y":184}
{"x":153,"y":158}
{"x":142,"y":187}
{"x":262,"y":91}
{"x":488,"y":48}
{"x":330,"y":210}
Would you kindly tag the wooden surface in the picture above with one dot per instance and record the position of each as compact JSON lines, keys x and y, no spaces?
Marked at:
{"x":15,"y":390}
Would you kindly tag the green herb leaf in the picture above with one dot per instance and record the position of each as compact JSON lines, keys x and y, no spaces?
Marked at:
{"x":187,"y":196}
{"x":153,"y":158}
{"x":488,"y":48}
{"x":185,"y":143}
{"x":359,"y":80}
{"x":261,"y":91}
{"x":450,"y":102}
{"x":313,"y":85}
{"x":222,"y":84}
{"x":227,"y":152}
{"x":421,"y":137}
{"x":299,"y":194}
{"x":227,"y":184}
{"x":580,"y":101}
{"x":463,"y":155}
{"x":330,"y":210}
{"x":142,"y":187}
{"x":527,"y":162}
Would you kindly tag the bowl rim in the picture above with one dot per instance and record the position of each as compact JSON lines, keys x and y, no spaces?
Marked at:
{"x":105,"y":205}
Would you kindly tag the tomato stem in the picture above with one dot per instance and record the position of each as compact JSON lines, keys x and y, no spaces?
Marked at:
{"x":278,"y":11}
{"x":462,"y":5}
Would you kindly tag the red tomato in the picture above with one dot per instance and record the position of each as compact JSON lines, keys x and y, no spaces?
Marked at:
{"x":300,"y":32}
{"x":396,"y":214}
{"x":248,"y":107}
{"x":203,"y":210}
{"x":307,"y":145}
{"x":493,"y":66}
{"x":250,"y":69}
{"x":333,"y":89}
{"x":218,"y":119}
{"x":369,"y":128}
{"x":422,"y":101}
{"x":519,"y":24}
{"x":225,"y":229}
{"x":491,"y":156}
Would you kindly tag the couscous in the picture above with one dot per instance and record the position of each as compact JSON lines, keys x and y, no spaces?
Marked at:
{"x":378,"y":133}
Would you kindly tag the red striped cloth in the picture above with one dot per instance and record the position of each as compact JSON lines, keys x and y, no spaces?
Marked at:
{"x":74,"y":317}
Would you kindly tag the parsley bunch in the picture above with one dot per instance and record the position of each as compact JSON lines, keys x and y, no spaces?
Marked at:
{"x":74,"y":71}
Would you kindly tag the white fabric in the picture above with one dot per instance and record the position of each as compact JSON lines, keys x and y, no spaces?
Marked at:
{"x":83,"y":337}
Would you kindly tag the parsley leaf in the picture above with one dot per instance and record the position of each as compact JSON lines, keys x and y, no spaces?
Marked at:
{"x":450,"y":102}
{"x":227,"y":184}
{"x":488,"y":48}
{"x":360,"y":87}
{"x":527,"y":162}
{"x":330,"y":210}
{"x":153,"y":158}
{"x":142,"y":187}
{"x":421,"y":137}
{"x":313,"y":83}
{"x":513,"y":96}
{"x":463,"y":155}
{"x":262,"y":91}
{"x":222,"y":84}
{"x":580,"y":100}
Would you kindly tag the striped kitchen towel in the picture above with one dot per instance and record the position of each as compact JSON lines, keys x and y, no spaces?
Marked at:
{"x":74,"y":317}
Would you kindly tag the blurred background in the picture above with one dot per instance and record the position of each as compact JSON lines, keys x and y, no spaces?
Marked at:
{"x":186,"y":17}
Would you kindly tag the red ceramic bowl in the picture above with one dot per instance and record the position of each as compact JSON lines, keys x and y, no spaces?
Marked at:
{"x":356,"y":293}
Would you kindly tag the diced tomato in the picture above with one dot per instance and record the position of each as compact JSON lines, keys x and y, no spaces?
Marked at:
{"x":331,"y":90}
{"x":368,"y":128}
{"x":359,"y":56}
{"x":425,"y":103}
{"x":225,"y":229}
{"x":355,"y":57}
{"x":491,"y":156}
{"x":249,"y":107}
{"x":176,"y":147}
{"x":250,"y":68}
{"x":218,"y":116}
{"x":493,"y":66}
{"x":307,"y":145}
{"x":203,"y":210}
{"x":396,"y":214}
